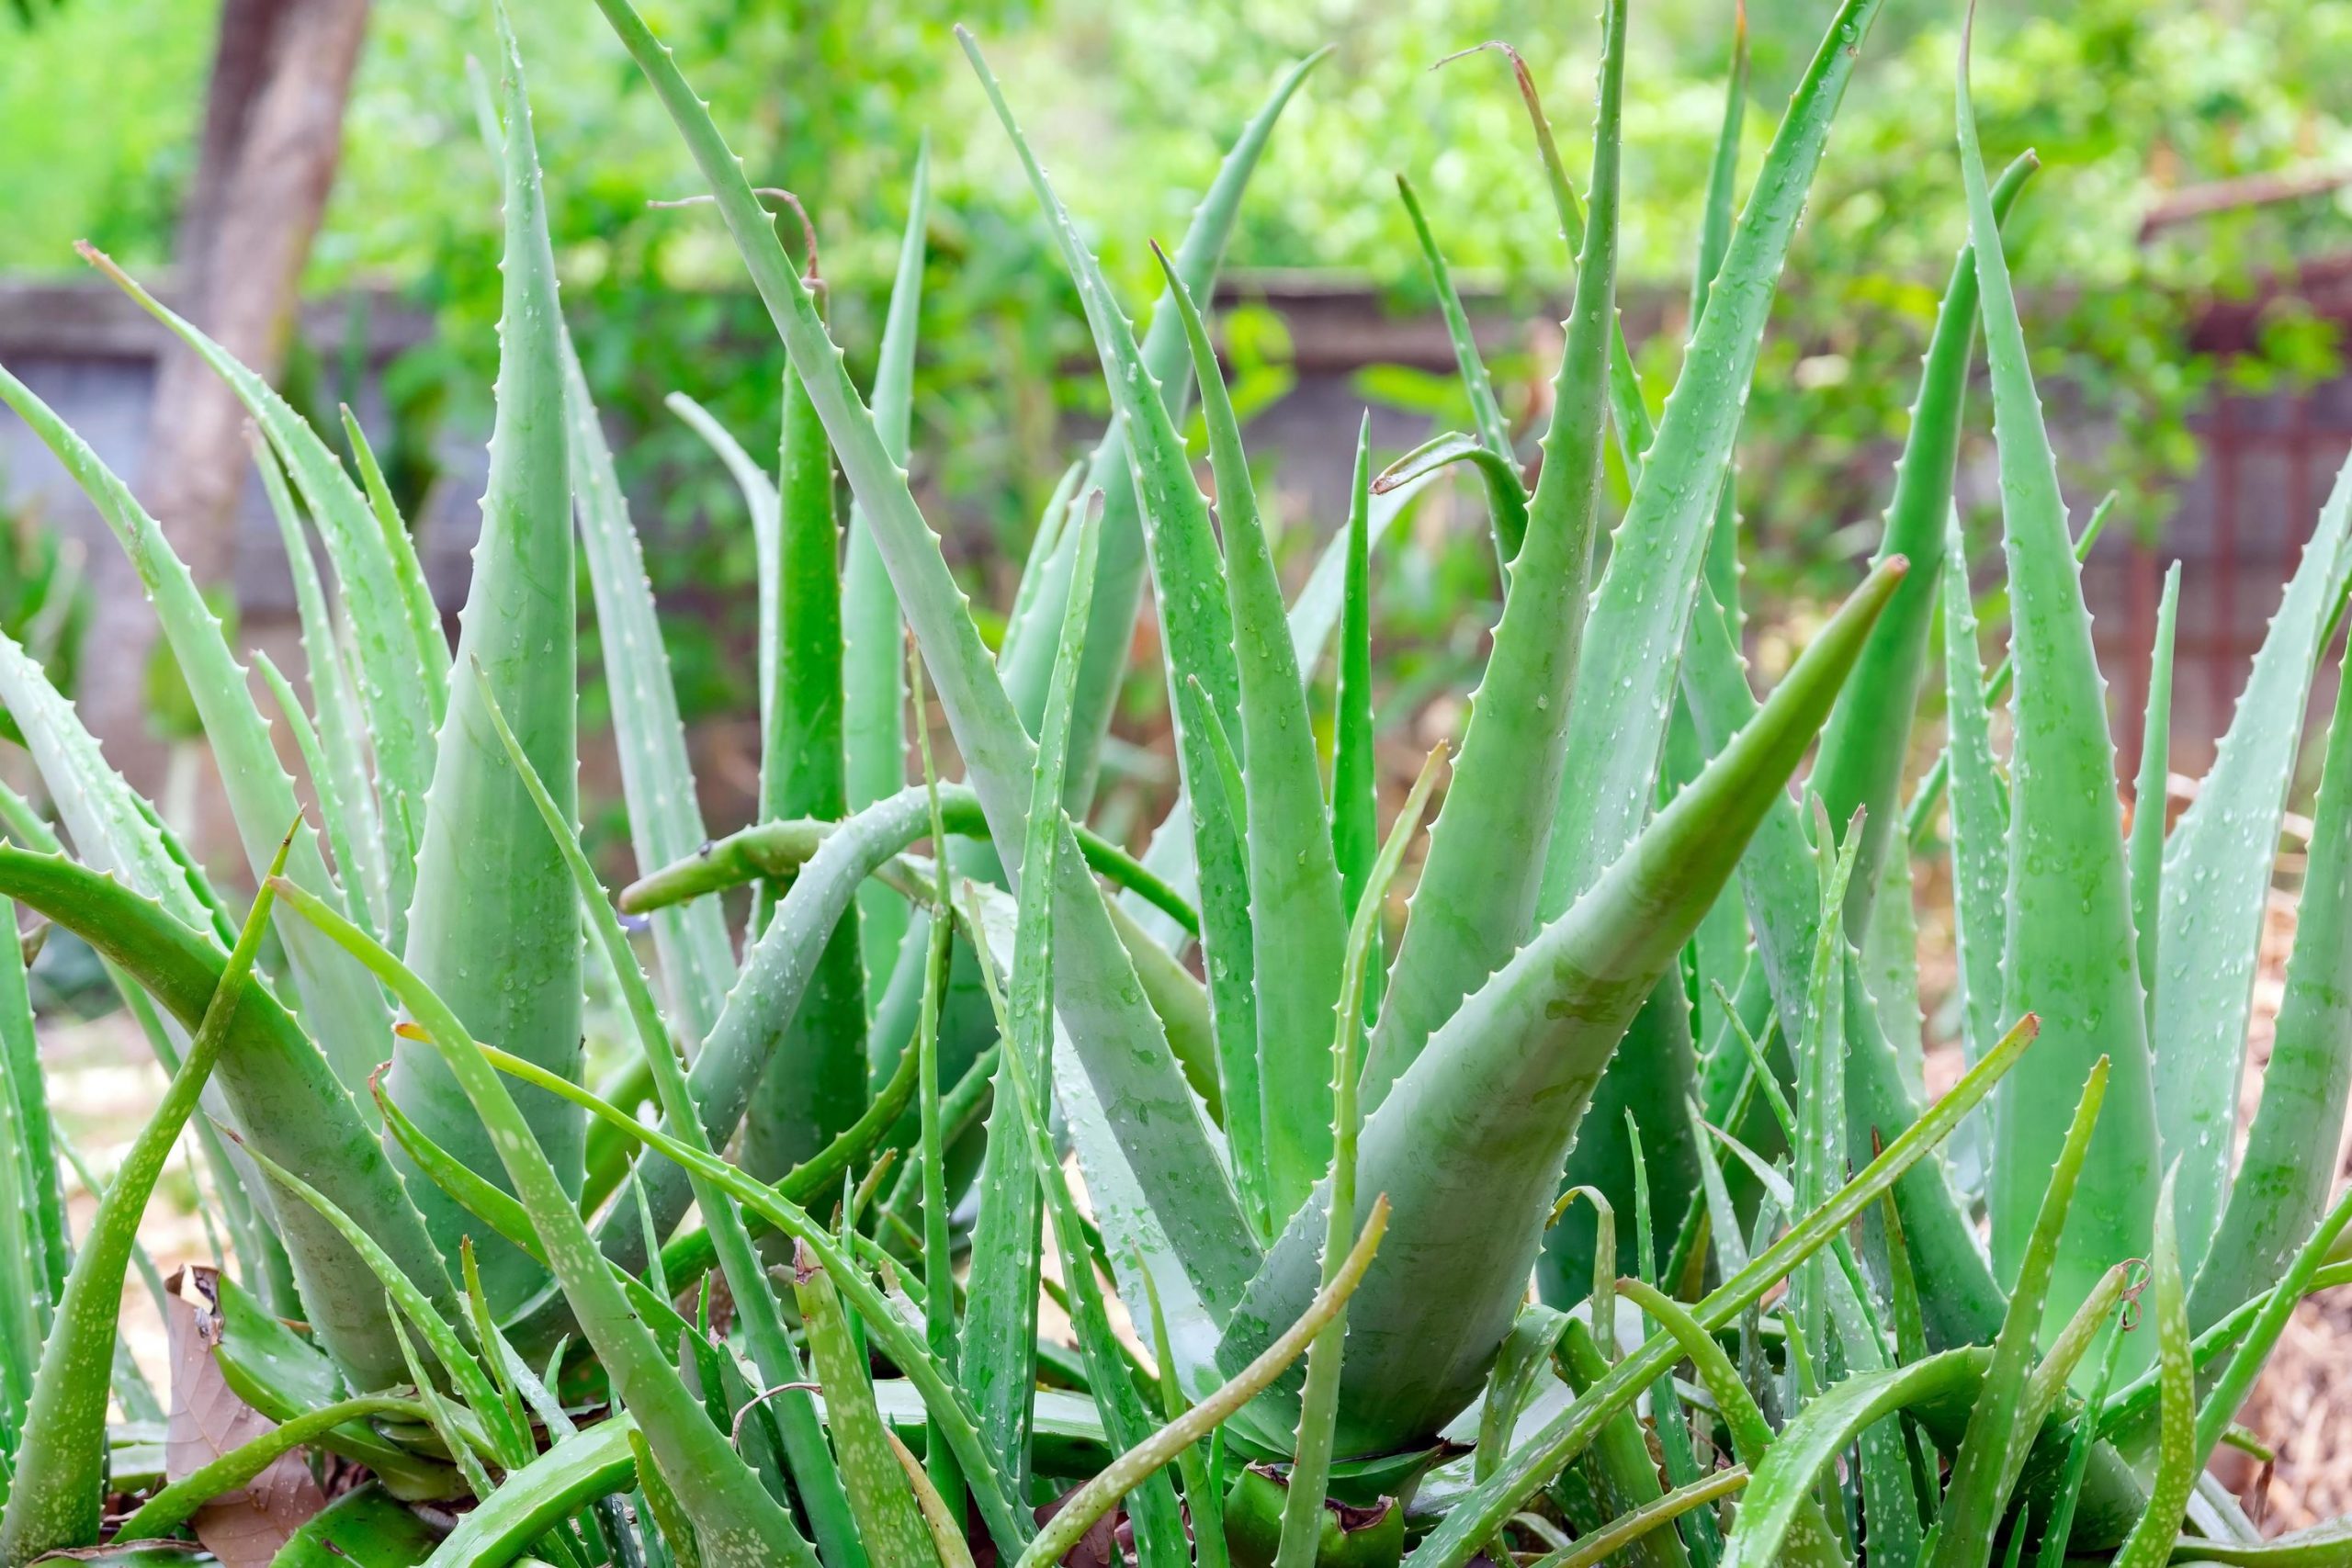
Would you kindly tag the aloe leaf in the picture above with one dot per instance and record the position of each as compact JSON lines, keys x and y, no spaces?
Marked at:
{"x":1782,"y":1483}
{"x":2175,"y":1476}
{"x":44,"y":1243}
{"x":492,"y":926}
{"x":739,"y":1521}
{"x":58,"y":1489}
{"x":1152,"y":1511}
{"x":874,"y":678}
{"x":1506,"y":492}
{"x":776,"y":974}
{"x":1297,"y":921}
{"x":166,"y":1509}
{"x":1643,"y":609}
{"x":779,"y":1362}
{"x":1820,"y":1144}
{"x":1123,"y":549}
{"x":2068,"y":951}
{"x":394,"y":683}
{"x":1980,"y":822}
{"x":888,"y":1330}
{"x":1355,"y":795}
{"x":2217,"y":879}
{"x":2149,"y":794}
{"x":997,"y":1359}
{"x":508,"y":1437}
{"x":1624,"y":1471}
{"x":779,"y":850}
{"x":1479,"y":1513}
{"x":1919,"y":816}
{"x":281,"y":1095}
{"x":1216,"y":806}
{"x":1714,"y":238}
{"x":2283,"y":1180}
{"x":408,"y":570}
{"x":317,"y":771}
{"x":1977,"y":1492}
{"x":1197,"y":605}
{"x":1126,"y":1049}
{"x":368,"y":1527}
{"x":590,"y":1464}
{"x":1603,"y":1544}
{"x":1863,"y":748}
{"x":815,"y":1082}
{"x":888,"y":1522}
{"x":342,"y":1010}
{"x":1315,"y":615}
{"x":1481,"y":887}
{"x":1508,"y":1074}
{"x":2236,"y":1382}
{"x":1083,"y":1507}
{"x":1310,"y":1472}
{"x":355,"y":823}
{"x":657,"y":778}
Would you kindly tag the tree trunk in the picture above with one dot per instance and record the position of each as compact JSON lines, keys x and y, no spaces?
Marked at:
{"x":272,"y":136}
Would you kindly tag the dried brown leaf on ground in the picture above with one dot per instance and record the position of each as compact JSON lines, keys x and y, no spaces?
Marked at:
{"x":243,"y":1529}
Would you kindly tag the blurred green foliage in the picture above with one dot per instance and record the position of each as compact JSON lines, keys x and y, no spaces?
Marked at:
{"x":1131,"y":104}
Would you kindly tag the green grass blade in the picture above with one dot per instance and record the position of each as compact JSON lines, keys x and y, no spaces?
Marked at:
{"x":1480,"y":890}
{"x":739,"y":1523}
{"x":1478,"y":1514}
{"x":2149,"y":796}
{"x":1862,"y":750}
{"x":1297,"y":919}
{"x":2149,"y":1542}
{"x":2217,"y":873}
{"x":400,"y":545}
{"x":657,"y":778}
{"x":1507,"y":1075}
{"x":816,"y":1083}
{"x":997,"y":1359}
{"x":2283,"y":1180}
{"x":493,"y":928}
{"x":1976,"y":1495}
{"x":358,"y":836}
{"x":2068,"y":952}
{"x":344,"y":1012}
{"x":1506,"y":493}
{"x":1643,"y":609}
{"x":394,"y":684}
{"x":56,"y":1494}
{"x":1124,"y":1048}
{"x":874,"y":676}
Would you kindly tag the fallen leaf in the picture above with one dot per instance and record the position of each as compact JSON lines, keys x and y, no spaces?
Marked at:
{"x":246,"y":1527}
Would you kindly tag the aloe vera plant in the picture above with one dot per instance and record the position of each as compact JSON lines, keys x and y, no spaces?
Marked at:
{"x":1654,"y":975}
